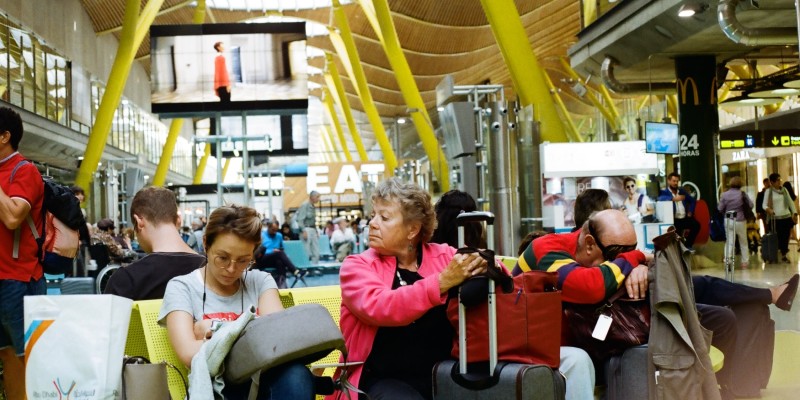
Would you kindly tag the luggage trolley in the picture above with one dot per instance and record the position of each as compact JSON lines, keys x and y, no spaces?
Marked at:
{"x":730,"y":244}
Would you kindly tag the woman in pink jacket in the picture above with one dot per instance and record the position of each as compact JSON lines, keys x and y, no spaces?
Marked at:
{"x":393,"y":295}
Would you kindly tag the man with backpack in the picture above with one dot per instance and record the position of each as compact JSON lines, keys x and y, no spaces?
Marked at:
{"x":21,"y":273}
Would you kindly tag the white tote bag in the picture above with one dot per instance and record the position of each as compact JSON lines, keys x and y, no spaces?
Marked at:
{"x":74,"y":346}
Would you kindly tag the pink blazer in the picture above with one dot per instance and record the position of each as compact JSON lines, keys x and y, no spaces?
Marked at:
{"x":368,"y":301}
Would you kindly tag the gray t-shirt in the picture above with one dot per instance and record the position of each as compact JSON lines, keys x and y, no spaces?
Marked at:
{"x":185,"y":293}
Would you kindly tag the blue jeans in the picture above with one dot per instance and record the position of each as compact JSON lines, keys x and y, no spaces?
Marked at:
{"x":12,"y":319}
{"x":290,"y":381}
{"x":577,"y":367}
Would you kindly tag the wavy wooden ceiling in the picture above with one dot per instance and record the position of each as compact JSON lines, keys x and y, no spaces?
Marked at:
{"x":438,"y":37}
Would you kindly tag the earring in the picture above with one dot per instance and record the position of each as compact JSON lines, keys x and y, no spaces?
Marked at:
{"x":410,"y":246}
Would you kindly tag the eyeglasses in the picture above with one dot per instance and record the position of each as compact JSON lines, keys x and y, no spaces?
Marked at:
{"x":610,"y":252}
{"x":224,"y":262}
{"x":630,"y":186}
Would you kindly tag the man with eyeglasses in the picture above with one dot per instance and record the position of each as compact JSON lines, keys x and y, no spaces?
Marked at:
{"x":154,"y":212}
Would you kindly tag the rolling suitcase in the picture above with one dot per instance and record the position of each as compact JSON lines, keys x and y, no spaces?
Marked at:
{"x":626,"y":374}
{"x":769,"y":244}
{"x":497,"y":380}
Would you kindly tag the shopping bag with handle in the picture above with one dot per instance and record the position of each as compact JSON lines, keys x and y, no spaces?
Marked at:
{"x":74,"y":344}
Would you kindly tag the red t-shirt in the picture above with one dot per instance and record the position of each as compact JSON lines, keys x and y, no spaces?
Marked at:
{"x":26,"y":186}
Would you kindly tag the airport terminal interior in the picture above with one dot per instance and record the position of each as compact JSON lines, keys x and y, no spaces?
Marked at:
{"x":522,"y":104}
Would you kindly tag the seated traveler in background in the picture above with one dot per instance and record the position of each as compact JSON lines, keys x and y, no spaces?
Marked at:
{"x":447,"y":209}
{"x":682,"y":207}
{"x":575,"y":363}
{"x":637,"y":205}
{"x":393,"y":296}
{"x":734,"y":199}
{"x":343,"y":240}
{"x":270,"y":255}
{"x":154,"y":213}
{"x":286,"y":231}
{"x":220,"y":291}
{"x":105,"y":235}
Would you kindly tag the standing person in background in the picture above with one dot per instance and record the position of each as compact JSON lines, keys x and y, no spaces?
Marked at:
{"x":222,"y":82}
{"x":20,"y":275}
{"x":779,"y":207}
{"x":83,"y":232}
{"x":307,"y":219}
{"x":734,"y":199}
{"x":792,"y":232}
{"x":683,"y":208}
{"x":760,"y":204}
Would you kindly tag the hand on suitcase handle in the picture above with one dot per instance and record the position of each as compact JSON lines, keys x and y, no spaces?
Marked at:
{"x":461,"y":267}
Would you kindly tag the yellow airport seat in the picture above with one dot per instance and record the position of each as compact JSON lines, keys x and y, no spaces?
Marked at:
{"x":147,"y":339}
{"x":508,"y":262}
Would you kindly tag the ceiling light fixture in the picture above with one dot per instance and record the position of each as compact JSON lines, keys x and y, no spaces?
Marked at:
{"x":690,"y":9}
{"x":778,"y":92}
{"x":744,"y":101}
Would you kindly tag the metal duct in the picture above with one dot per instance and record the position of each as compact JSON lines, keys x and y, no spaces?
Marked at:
{"x":607,"y":75}
{"x":734,"y":30}
{"x":503,"y":193}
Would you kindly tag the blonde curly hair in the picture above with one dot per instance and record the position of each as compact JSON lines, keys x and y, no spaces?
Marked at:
{"x":415,"y":204}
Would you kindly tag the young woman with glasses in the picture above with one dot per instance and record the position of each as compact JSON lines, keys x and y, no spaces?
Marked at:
{"x":220,"y":291}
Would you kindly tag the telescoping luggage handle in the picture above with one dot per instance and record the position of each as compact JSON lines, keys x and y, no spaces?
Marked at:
{"x":461,"y":220}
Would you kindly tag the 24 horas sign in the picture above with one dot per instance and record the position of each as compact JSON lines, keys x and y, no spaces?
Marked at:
{"x":338,"y":183}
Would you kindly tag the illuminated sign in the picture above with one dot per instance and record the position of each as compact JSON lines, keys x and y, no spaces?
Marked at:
{"x":781,"y":140}
{"x":739,"y":139}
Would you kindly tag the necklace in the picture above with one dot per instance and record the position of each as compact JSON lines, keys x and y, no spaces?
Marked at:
{"x":402,"y":281}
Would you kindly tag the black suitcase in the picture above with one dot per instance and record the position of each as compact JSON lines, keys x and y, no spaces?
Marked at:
{"x":499,"y":380}
{"x":769,"y":244}
{"x":626,"y":375}
{"x":755,"y":346}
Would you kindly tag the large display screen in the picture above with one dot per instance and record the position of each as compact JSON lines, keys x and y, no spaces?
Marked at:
{"x":661,"y":138}
{"x":228,"y":68}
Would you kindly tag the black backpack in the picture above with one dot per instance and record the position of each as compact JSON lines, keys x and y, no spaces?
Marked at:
{"x":59,"y":203}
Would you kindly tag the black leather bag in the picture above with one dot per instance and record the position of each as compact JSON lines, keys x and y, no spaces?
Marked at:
{"x":630,"y":325}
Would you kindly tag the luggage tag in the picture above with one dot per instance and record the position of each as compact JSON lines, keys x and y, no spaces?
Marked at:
{"x":601,"y":328}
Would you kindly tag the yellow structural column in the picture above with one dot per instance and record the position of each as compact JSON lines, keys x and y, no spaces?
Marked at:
{"x":126,"y":51}
{"x":526,"y":73}
{"x":557,"y":98}
{"x":346,"y":48}
{"x":380,"y":17}
{"x":337,"y":154}
{"x":201,"y":165}
{"x":338,"y":91}
{"x":608,"y":115}
{"x":166,"y":152}
{"x":328,"y":101}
